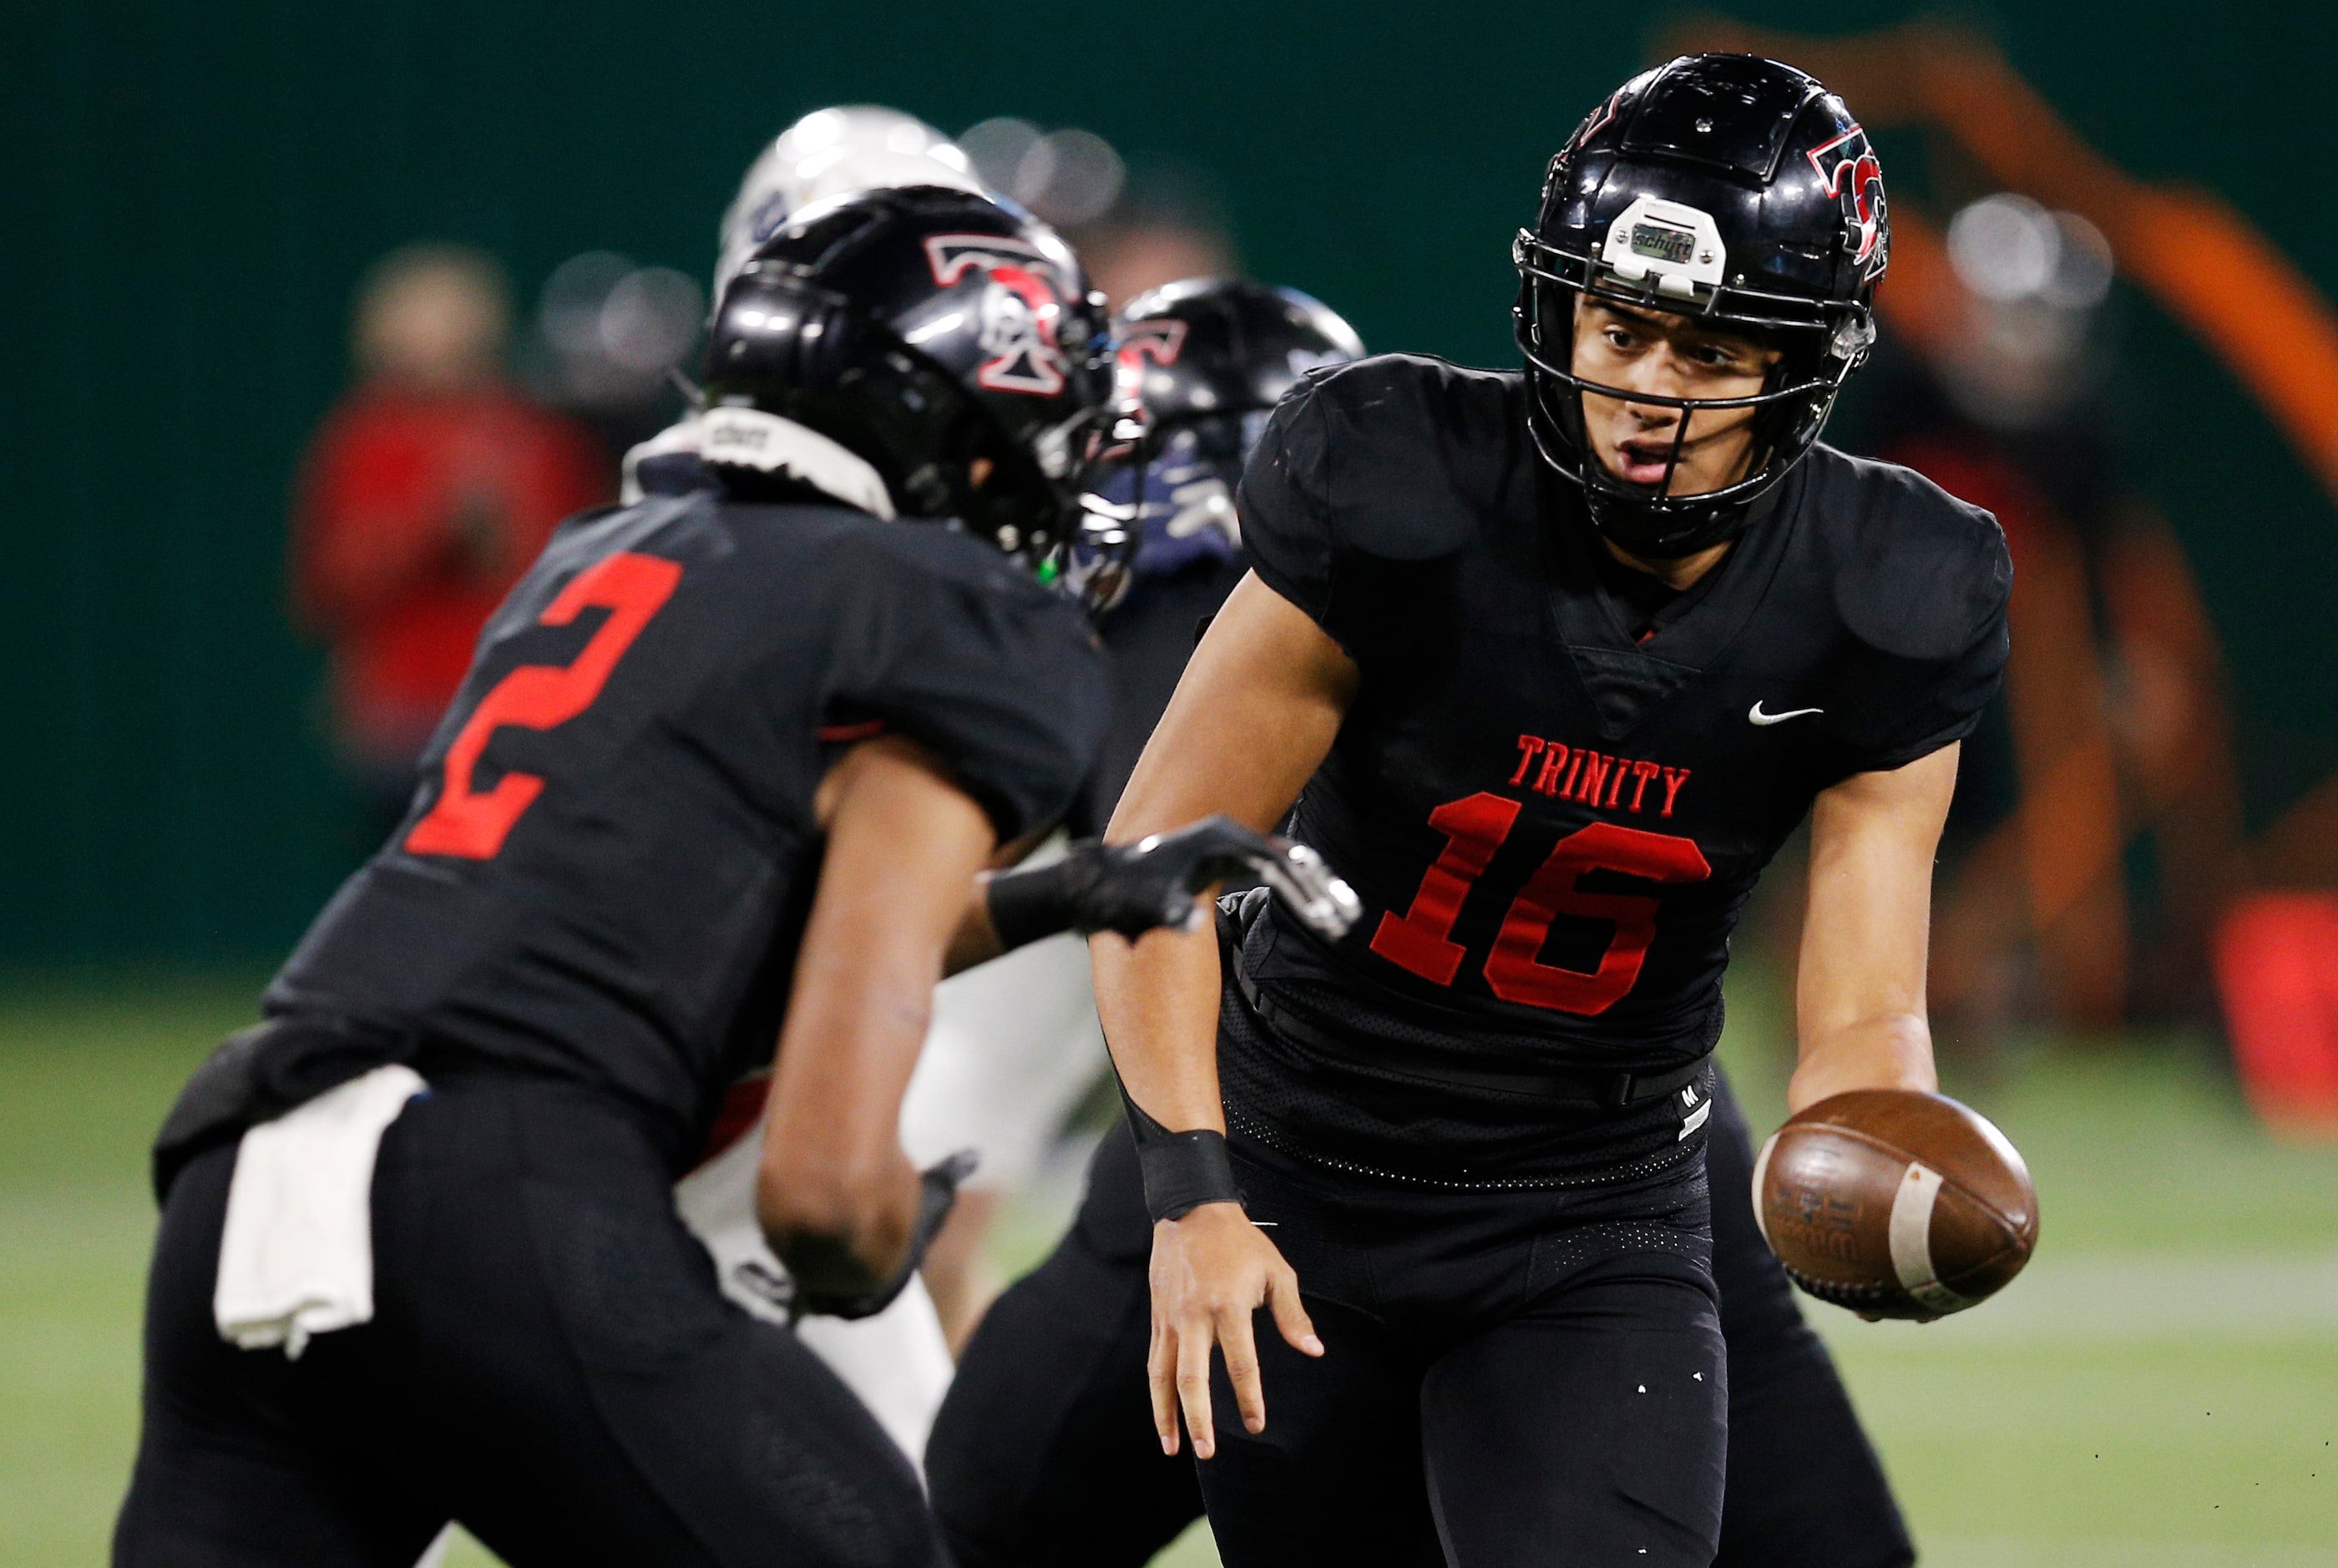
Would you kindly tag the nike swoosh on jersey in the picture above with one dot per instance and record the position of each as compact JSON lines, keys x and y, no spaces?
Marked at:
{"x":1758,"y":717}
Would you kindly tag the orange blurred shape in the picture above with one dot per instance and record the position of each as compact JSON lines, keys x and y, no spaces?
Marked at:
{"x":2198,"y":256}
{"x":2277,"y":957}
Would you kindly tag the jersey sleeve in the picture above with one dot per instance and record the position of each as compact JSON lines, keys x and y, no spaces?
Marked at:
{"x":1912,"y":710}
{"x":997,"y":676}
{"x":1284,"y":503}
{"x":1352,"y":494}
{"x":1930,"y":622}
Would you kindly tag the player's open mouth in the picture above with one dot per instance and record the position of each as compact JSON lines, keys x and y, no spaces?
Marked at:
{"x":1644,"y":462}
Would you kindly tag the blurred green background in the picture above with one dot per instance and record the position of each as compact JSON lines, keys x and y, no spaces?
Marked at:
{"x":193,"y":192}
{"x":2159,"y":1390}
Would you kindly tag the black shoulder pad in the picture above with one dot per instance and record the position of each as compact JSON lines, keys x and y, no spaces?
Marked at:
{"x":1408,"y":438}
{"x":1918,"y":574}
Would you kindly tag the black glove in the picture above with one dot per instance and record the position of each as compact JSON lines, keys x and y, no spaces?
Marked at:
{"x":1132,"y":888}
{"x":938,"y":1193}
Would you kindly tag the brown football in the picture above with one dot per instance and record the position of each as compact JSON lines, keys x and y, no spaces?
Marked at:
{"x":1896,"y":1203}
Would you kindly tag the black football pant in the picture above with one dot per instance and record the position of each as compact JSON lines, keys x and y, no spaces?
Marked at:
{"x":1044,"y":1454}
{"x":1511,"y":1379}
{"x":550,"y":1362}
{"x":1494,"y":1393}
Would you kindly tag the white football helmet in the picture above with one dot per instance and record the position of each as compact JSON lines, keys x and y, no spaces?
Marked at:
{"x":830,"y":152}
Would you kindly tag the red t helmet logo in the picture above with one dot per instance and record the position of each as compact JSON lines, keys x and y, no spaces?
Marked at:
{"x":1021,"y":307}
{"x":1156,"y":341}
{"x":1850,"y":170}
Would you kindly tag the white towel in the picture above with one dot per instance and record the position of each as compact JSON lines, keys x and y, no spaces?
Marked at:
{"x":296,"y":1259}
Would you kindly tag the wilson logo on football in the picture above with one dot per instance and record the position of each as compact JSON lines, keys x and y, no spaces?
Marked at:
{"x":1022,"y":303}
{"x":1851,"y":172}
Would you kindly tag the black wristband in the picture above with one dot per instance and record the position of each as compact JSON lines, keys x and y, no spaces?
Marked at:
{"x":1026,"y":905}
{"x":1182,"y":1170}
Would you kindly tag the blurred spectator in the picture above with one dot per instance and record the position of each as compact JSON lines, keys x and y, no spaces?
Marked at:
{"x":422,"y":497}
{"x":1137,"y":252}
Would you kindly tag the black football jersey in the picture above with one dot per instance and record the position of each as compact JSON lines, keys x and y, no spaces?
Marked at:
{"x":1552,"y":825}
{"x":608,"y":867}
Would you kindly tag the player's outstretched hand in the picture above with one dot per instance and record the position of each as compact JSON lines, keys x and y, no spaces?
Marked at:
{"x":1154,"y":883}
{"x":1212,"y":1270}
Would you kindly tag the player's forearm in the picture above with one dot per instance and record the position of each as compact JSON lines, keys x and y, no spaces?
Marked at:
{"x":1891,"y":1051}
{"x":1250,"y":720}
{"x":1157,"y":997}
{"x":1866,"y":935}
{"x":1158,"y":1001}
{"x":835,"y":1191}
{"x":903,"y":845}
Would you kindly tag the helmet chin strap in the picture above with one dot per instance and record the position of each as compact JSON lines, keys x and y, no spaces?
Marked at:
{"x":1636,"y":536}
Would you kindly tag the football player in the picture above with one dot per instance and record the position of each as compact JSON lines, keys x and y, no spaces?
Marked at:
{"x":1013,"y":1045}
{"x":1551,"y":664}
{"x":898,"y":1362}
{"x":1041,"y":1455}
{"x":723,"y":775}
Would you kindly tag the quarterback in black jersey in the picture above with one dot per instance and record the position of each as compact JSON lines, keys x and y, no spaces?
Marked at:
{"x":722,"y":776}
{"x":1039,"y":1457}
{"x":1551,"y":665}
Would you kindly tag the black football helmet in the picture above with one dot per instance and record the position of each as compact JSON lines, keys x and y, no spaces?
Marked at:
{"x":1215,"y":348}
{"x":920,"y":330}
{"x":1727,"y":188}
{"x":1199,"y":366}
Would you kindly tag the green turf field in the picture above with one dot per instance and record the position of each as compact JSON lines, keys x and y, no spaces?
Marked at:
{"x":2159,"y":1391}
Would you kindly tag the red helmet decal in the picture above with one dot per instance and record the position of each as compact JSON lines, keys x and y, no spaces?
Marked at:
{"x":1021,"y":307}
{"x":1160,"y":341}
{"x":1848,"y":167}
{"x":1598,"y":118}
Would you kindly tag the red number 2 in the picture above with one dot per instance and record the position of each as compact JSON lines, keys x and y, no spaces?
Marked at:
{"x":1475,"y":827}
{"x":473,"y":823}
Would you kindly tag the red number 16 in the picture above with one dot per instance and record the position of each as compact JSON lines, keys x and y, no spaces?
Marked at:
{"x":1474,"y":828}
